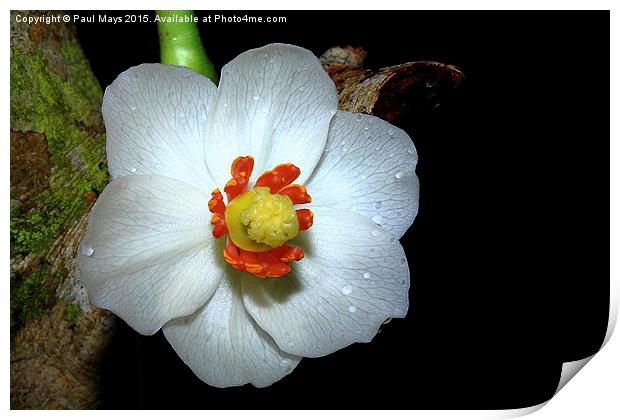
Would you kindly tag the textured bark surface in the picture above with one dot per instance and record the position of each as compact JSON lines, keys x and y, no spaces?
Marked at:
{"x":391,"y":93}
{"x":57,"y":170}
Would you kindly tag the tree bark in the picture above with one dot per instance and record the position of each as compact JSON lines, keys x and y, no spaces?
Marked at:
{"x":57,"y":170}
{"x":392,"y":93}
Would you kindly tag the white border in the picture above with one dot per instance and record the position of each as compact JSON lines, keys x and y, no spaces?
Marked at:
{"x":593,"y":395}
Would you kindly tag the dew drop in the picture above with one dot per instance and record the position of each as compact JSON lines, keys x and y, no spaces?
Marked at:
{"x":390,"y":132}
{"x":133,"y":108}
{"x":359,"y":117}
{"x":378,"y":147}
{"x":366,"y":128}
{"x":387,"y":321}
{"x":265,"y":55}
{"x":256,"y":97}
{"x":392,"y":240}
{"x":378,"y":219}
{"x":398,"y":175}
{"x":186,"y":73}
{"x":346,"y":289}
{"x":378,"y":204}
{"x":352,"y":309}
{"x":132,"y":170}
{"x":333,"y":112}
{"x":87,"y":249}
{"x":410,"y":150}
{"x":225,"y":105}
{"x":403,"y":281}
{"x":366,"y":275}
{"x":402,"y":262}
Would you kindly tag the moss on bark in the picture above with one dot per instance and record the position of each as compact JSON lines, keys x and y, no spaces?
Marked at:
{"x":57,"y":170}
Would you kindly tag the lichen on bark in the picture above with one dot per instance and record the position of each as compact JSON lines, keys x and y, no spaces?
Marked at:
{"x":57,"y":170}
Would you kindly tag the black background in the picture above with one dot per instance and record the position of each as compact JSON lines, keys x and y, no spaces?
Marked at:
{"x":509,"y":254}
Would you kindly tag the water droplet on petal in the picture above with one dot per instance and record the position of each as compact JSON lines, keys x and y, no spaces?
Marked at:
{"x":352,"y":309}
{"x":359,"y":117}
{"x":378,"y":219}
{"x":410,"y":150}
{"x":387,"y":321}
{"x":390,"y":132}
{"x":346,"y":289}
{"x":366,"y":128}
{"x":403,"y":281}
{"x":133,"y":108}
{"x":402,"y":262}
{"x":333,"y":112}
{"x":378,"y":147}
{"x":132,"y":170}
{"x":87,"y":249}
{"x":398,"y":175}
{"x":366,"y":275}
{"x":392,"y":240}
{"x":225,"y":105}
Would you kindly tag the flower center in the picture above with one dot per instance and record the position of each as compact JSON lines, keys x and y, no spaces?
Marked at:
{"x":259,"y":223}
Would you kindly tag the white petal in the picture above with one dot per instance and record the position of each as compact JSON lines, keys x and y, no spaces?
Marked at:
{"x":369,"y":168}
{"x":222,"y":344}
{"x":353,"y":277}
{"x":148,"y":254}
{"x":273,"y":103}
{"x":156,"y":122}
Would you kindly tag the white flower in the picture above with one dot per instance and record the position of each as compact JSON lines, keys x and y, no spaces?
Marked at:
{"x":150,"y":254}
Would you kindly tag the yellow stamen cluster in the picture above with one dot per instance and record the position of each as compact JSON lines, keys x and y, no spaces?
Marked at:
{"x":258,"y":220}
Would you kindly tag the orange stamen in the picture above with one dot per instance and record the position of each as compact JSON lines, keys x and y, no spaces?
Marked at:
{"x":278,"y":178}
{"x":297,"y":193}
{"x":305,"y":218}
{"x":275,"y":262}
{"x":241,"y":170}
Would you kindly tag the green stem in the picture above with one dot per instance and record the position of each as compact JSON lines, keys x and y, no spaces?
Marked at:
{"x":179,"y":42}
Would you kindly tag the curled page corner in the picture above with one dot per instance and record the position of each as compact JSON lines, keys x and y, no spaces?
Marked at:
{"x":569,"y":369}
